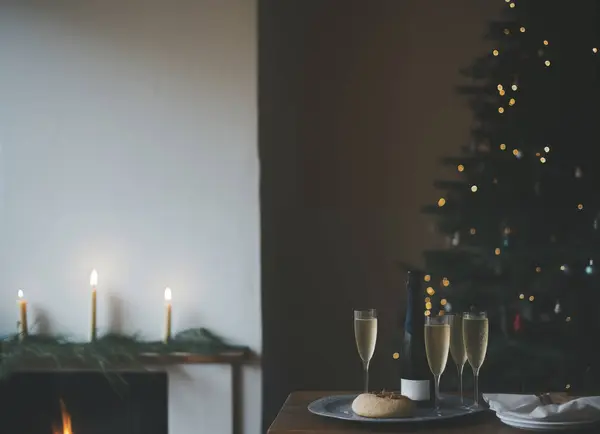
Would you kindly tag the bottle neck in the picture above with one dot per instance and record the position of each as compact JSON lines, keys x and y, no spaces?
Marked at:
{"x":415,"y":318}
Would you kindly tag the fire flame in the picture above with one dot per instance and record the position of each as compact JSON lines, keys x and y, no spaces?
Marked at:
{"x":66,"y":421}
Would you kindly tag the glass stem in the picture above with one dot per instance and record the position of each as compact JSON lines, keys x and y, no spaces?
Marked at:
{"x":437,"y":393}
{"x":460,"y":382}
{"x":476,"y":381}
{"x":366,"y":366}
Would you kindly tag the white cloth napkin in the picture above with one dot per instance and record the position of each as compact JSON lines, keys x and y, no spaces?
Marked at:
{"x":530,"y":407}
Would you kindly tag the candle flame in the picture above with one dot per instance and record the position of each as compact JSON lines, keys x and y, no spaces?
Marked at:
{"x":20,"y":293}
{"x":167,"y":294}
{"x":94,"y":278}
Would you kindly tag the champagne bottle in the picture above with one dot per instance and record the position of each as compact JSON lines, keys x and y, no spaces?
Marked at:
{"x":415,"y":378}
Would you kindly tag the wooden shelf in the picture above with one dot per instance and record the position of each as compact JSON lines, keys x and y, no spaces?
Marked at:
{"x":144,"y":361}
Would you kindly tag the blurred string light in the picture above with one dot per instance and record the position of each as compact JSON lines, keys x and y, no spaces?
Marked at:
{"x":518,"y":153}
{"x":546,"y":149}
{"x":503,"y":147}
{"x":546,"y":42}
{"x":522,"y":30}
{"x":472,"y":231}
{"x":506,"y":31}
{"x":500,"y":87}
{"x":441,"y":313}
{"x":474,"y":188}
{"x":547,"y":63}
{"x":590,"y":267}
{"x":522,"y":296}
{"x":568,"y":319}
{"x":461,"y":168}
{"x":557,"y":307}
{"x":512,"y":5}
{"x":594,"y":50}
{"x":511,"y":102}
{"x":441,"y":202}
{"x":431,"y":291}
{"x":427,"y":313}
{"x":578,"y":172}
{"x":531,"y":298}
{"x":502,"y":92}
{"x":495,"y":52}
{"x":580,"y":207}
{"x":500,"y":110}
{"x":427,"y":278}
{"x":514,"y":87}
{"x":443,"y":302}
{"x":538,"y":269}
{"x":428,"y":305}
{"x":564,"y":268}
{"x":497,"y":251}
{"x":445,"y":281}
{"x":427,"y":299}
{"x":542,"y":160}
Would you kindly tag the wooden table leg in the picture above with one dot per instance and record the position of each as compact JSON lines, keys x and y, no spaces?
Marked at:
{"x":236,"y":398}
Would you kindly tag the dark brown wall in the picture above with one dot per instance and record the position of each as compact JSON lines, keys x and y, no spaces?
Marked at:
{"x":357,"y":103}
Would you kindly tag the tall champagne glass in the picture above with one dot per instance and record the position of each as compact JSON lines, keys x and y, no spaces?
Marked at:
{"x":437,"y":343}
{"x":365,"y":333}
{"x":457,"y":349}
{"x":475,"y":336}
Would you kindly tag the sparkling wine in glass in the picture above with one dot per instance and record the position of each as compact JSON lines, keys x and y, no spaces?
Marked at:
{"x":475,"y":336}
{"x":457,"y":349}
{"x":365,"y":334}
{"x":437,"y":343}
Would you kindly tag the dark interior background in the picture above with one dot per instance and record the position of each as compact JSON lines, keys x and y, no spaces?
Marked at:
{"x":357,"y":103}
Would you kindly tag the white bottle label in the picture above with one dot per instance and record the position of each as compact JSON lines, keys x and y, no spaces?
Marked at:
{"x":417,"y":390}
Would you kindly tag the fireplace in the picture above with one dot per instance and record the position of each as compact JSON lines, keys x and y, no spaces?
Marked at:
{"x":84,"y":403}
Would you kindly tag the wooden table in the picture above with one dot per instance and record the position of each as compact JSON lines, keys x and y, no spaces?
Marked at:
{"x":294,"y":418}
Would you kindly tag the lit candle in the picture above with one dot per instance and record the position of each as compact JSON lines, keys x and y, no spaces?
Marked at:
{"x":167,"y":315}
{"x":93,"y":284}
{"x":22,"y":315}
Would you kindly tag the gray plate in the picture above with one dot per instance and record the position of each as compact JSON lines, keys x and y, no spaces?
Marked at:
{"x":340,"y":407}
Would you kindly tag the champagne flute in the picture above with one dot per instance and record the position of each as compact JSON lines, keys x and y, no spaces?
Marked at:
{"x":365,"y":333}
{"x":457,"y":349}
{"x":437,"y":343}
{"x":475,"y":336}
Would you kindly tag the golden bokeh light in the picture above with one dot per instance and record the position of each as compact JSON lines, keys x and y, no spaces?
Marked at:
{"x":497,"y":251}
{"x":461,"y":168}
{"x":443,"y":302}
{"x":441,"y":202}
{"x":427,"y":278}
{"x":472,"y":231}
{"x":503,"y":146}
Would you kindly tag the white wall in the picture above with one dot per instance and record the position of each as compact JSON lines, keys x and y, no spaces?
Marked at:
{"x":128,"y":143}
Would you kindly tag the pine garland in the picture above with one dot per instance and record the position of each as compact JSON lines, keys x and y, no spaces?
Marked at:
{"x":108,"y":352}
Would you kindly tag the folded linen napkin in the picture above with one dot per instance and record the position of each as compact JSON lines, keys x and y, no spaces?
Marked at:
{"x":532,"y":407}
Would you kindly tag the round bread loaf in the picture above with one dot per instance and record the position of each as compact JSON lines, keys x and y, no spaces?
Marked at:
{"x":382,"y":405}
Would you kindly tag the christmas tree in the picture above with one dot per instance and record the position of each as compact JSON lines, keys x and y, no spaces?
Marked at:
{"x":522,"y":218}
